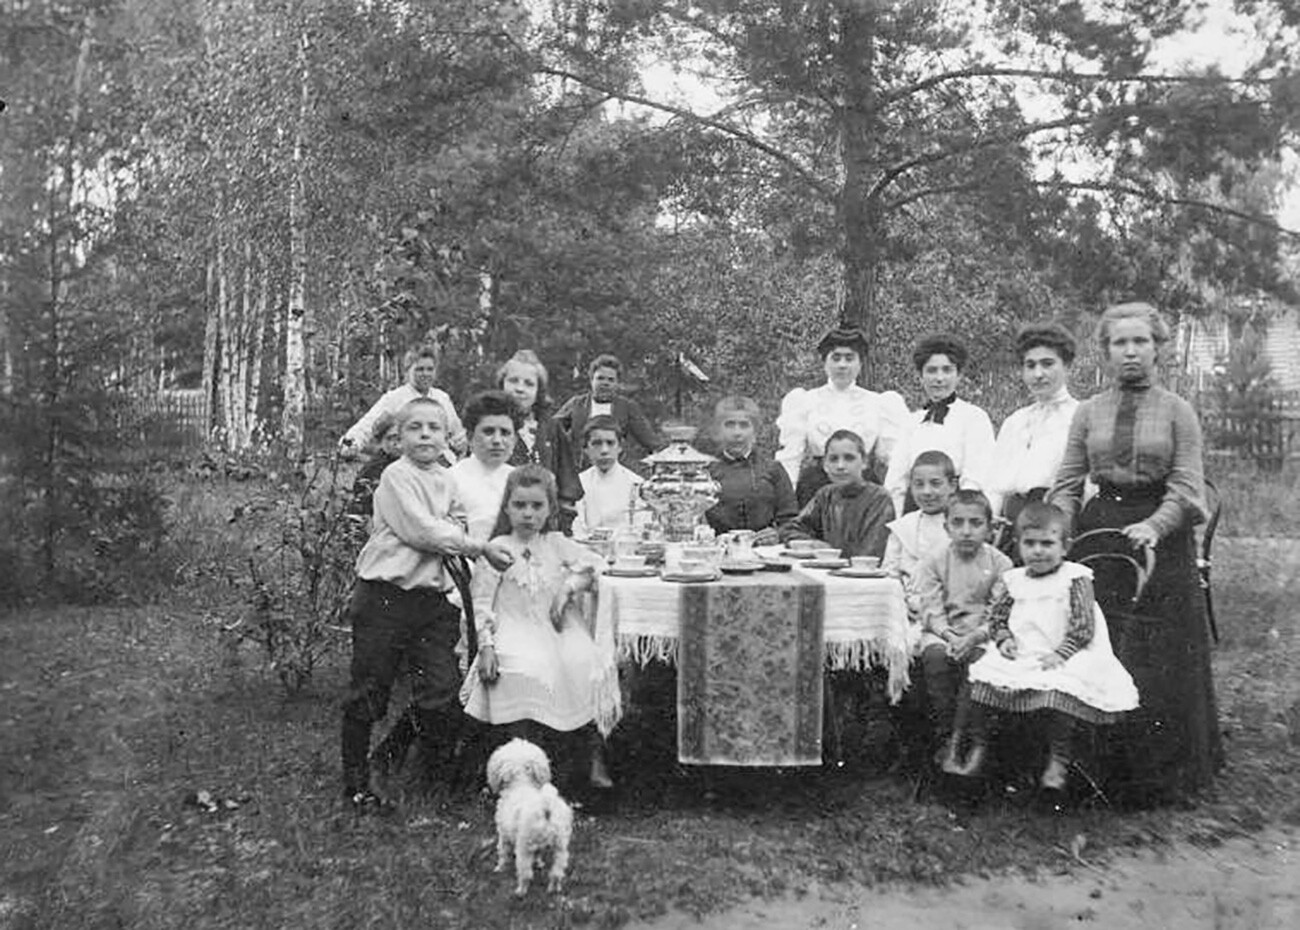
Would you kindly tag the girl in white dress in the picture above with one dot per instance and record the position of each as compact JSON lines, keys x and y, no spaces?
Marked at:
{"x":1053,"y":651}
{"x":536,"y":661}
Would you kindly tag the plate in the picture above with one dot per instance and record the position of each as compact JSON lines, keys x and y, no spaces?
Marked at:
{"x":852,"y":572}
{"x":777,"y":565}
{"x":689,"y":579}
{"x":648,"y":571}
{"x":740,"y":568}
{"x":828,"y":563}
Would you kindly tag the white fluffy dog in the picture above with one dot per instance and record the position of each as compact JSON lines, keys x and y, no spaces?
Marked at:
{"x":531,"y":815}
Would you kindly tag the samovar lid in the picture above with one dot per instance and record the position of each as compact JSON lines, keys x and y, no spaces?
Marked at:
{"x":679,"y":450}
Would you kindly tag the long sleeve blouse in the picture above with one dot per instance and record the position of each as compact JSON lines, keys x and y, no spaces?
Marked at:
{"x":1029,"y":448}
{"x":1165,"y":448}
{"x":965,"y":435}
{"x":392,"y":402}
{"x":755,"y":494}
{"x":808,"y":418}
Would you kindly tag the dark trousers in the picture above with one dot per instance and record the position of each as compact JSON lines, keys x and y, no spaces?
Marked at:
{"x":391,"y":626}
{"x":945,"y":691}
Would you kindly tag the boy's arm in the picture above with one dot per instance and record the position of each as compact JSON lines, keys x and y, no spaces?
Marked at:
{"x":879,"y":517}
{"x":808,"y":524}
{"x":401,"y":503}
{"x":893,"y":558}
{"x":638,"y":424}
{"x":929,"y":599}
{"x":358,"y":436}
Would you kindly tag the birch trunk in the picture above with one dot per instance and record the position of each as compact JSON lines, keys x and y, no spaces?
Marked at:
{"x":293,"y":423}
{"x":227,"y":341}
{"x":257,"y":334}
{"x":211,"y":341}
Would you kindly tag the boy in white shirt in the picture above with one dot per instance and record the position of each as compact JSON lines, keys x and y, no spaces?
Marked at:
{"x":610,"y":490}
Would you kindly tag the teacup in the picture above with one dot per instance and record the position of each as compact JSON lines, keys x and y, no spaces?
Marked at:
{"x":826,"y":555}
{"x":629,"y":563}
{"x":802,"y":545}
{"x":692,"y":566}
{"x":865,"y":562}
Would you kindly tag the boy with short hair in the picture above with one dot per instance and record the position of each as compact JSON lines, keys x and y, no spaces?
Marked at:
{"x":399,"y":609}
{"x":756,"y":493}
{"x":609,"y":489}
{"x":913,"y":536}
{"x":953,"y":589}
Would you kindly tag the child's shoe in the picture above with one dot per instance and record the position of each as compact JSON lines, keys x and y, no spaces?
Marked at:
{"x":366,"y":801}
{"x":1056,"y":774}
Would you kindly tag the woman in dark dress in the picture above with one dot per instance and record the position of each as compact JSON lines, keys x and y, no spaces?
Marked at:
{"x":1141,"y":445}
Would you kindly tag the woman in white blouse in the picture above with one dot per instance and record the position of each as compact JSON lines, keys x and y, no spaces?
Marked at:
{"x":946,"y":423}
{"x":808,"y":417}
{"x":1032,"y":440}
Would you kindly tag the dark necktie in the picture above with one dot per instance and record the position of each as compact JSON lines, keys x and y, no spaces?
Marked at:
{"x":1126,"y":424}
{"x":937,"y":410}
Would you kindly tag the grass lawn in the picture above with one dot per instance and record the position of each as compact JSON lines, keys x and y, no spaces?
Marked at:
{"x":114,"y":720}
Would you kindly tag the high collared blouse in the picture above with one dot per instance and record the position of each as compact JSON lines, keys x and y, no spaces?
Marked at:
{"x":1029,"y":448}
{"x":965,"y":435}
{"x":1164,"y":448}
{"x":808,"y":418}
{"x":755,"y":494}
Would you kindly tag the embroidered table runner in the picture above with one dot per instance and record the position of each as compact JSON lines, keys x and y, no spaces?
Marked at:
{"x":749,"y":672}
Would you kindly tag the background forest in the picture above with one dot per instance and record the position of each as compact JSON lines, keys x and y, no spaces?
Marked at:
{"x":256,"y":207}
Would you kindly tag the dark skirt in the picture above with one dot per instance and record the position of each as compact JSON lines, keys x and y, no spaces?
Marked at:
{"x":1169,"y":748}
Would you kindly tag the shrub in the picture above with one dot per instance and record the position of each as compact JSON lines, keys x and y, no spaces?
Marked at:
{"x":304,"y":545}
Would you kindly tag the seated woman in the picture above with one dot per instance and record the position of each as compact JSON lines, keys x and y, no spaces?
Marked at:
{"x":537,"y":665}
{"x":851,"y":513}
{"x":946,"y":423}
{"x":1031,"y":442}
{"x":809,"y":417}
{"x":755,"y":491}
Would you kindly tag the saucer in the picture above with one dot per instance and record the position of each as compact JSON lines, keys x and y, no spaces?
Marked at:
{"x":740,"y":568}
{"x":827,"y":563}
{"x":851,"y":572}
{"x":647,"y":571}
{"x":694,"y":577}
{"x":777,"y":565}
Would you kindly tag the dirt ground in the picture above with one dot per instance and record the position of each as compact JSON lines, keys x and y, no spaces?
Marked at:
{"x":1250,"y":883}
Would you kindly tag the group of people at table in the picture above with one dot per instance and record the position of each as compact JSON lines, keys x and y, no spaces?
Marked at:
{"x":1005,"y":623}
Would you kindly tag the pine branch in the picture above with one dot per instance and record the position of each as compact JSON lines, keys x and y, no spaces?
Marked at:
{"x":1130,"y":190}
{"x":690,"y":116}
{"x":989,"y":141}
{"x":924,"y":192}
{"x":1068,"y":77}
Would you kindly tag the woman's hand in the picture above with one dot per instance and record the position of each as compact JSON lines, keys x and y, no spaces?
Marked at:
{"x":498,"y":556}
{"x":1050,"y":661}
{"x":488,"y":670}
{"x":1142,"y":534}
{"x":561,"y":600}
{"x":768,"y":536}
{"x":1008,"y":648}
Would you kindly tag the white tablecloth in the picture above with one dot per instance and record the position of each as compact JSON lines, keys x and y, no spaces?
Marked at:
{"x":865,"y":622}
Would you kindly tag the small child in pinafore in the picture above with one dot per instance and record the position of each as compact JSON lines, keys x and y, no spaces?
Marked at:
{"x":1053,"y":651}
{"x":953,"y":587}
{"x":537,"y":663}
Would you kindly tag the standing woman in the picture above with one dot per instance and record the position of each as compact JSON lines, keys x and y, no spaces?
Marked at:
{"x":945,"y":423}
{"x":524,"y":378}
{"x":809,"y":417}
{"x":1141,"y":445}
{"x":1031,"y":442}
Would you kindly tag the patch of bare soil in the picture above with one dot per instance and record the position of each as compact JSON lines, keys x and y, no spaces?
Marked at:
{"x":1247,"y":883}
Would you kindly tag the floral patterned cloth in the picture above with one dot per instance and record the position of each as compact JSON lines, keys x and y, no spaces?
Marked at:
{"x":749,"y":672}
